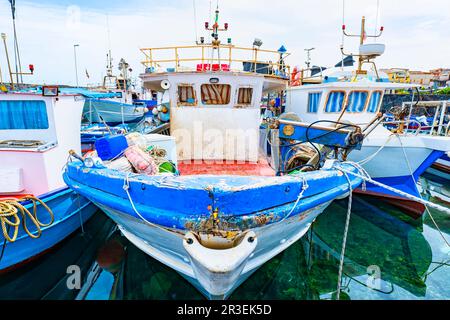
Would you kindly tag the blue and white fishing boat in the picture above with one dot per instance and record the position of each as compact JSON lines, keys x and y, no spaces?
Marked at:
{"x":225,"y":211}
{"x":113,"y":112}
{"x":37,"y":127}
{"x":119,"y":107}
{"x":433,"y":121}
{"x":395,"y":158}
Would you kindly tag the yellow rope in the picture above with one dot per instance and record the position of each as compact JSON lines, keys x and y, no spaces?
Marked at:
{"x":10,"y":212}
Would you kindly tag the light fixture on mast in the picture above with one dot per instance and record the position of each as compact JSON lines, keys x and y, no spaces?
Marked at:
{"x":308,"y":57}
{"x":367,"y":52}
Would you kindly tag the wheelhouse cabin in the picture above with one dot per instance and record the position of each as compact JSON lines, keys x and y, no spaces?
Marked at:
{"x":215,"y":105}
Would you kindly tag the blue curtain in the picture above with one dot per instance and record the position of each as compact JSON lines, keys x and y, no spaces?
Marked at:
{"x":335,"y":101}
{"x":357,"y":101}
{"x":23,"y":114}
{"x":313,"y":101}
{"x":374,"y":102}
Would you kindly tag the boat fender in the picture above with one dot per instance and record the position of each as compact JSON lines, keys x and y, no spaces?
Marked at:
{"x":218,"y":270}
{"x":141,"y":161}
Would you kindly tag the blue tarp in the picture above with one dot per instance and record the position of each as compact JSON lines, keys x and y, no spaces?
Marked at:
{"x":90,"y":94}
{"x":80,"y":91}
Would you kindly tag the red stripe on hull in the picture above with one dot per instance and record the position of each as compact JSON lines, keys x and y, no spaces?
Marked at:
{"x":412,"y":208}
{"x":441,"y":167}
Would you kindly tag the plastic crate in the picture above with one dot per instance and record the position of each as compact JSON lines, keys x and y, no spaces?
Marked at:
{"x":111,"y":146}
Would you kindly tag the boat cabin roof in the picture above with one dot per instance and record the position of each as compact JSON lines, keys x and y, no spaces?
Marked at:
{"x":357,"y":85}
{"x":215,"y":61}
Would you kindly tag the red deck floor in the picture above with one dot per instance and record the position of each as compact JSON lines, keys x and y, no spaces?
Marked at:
{"x":195,"y":167}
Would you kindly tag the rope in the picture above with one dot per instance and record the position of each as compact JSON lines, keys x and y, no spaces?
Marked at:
{"x":376,"y":19}
{"x":9,"y":217}
{"x":126,"y":187}
{"x":415,"y":184}
{"x":344,"y":239}
{"x":371,"y":157}
{"x":300,"y":195}
{"x":402,"y":193}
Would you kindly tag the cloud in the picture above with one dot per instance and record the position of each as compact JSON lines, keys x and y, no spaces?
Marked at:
{"x":416,"y":32}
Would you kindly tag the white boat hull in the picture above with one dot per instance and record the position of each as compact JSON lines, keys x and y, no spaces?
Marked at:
{"x":399,"y":156}
{"x":168,"y":248}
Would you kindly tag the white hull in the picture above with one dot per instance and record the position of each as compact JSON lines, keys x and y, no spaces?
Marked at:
{"x":168,"y":248}
{"x":400,"y":156}
{"x":391,"y":161}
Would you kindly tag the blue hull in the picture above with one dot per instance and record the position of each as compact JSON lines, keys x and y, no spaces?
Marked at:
{"x":406,"y":184}
{"x":70,"y":210}
{"x":186,"y":202}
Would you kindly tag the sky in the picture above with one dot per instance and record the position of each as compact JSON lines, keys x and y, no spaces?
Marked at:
{"x":416,"y":31}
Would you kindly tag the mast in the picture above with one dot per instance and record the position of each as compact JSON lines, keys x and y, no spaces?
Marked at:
{"x":361,"y":41}
{"x":362,"y":58}
{"x":215,"y":42}
{"x":7,"y":60}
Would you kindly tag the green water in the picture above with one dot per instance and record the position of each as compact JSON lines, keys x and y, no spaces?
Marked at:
{"x":388,"y":256}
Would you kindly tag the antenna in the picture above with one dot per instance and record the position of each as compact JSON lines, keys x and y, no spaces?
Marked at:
{"x":308,"y":57}
{"x":109,"y":65}
{"x":18,"y":65}
{"x":366,"y":54}
{"x":195,"y":20}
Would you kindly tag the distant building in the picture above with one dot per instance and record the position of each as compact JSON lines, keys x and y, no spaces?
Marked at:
{"x":423,"y":78}
{"x":399,"y":75}
{"x":441,"y":78}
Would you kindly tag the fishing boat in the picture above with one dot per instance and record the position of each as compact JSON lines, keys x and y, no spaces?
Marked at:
{"x":118,"y":108}
{"x":434,"y":122}
{"x":395,"y":158}
{"x":37,"y":209}
{"x":224,"y":211}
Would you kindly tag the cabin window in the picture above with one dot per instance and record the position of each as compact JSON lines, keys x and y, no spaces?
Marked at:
{"x":335,"y":101}
{"x":186,"y":95}
{"x":357,"y":101}
{"x":314,"y":101}
{"x":121,"y":84}
{"x":245,"y":96}
{"x":216,"y":94}
{"x":23,"y":114}
{"x":374,"y":102}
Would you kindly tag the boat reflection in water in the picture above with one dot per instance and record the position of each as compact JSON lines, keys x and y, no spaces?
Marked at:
{"x":47,"y":277}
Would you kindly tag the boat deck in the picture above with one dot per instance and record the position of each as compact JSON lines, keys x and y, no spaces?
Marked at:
{"x":214,"y":167}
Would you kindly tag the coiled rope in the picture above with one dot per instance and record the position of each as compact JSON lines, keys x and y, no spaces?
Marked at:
{"x":11,"y":212}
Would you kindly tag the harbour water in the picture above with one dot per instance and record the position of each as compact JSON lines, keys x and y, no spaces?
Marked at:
{"x":388,"y":256}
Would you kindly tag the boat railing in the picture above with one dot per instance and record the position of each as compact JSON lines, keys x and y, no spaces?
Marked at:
{"x":300,"y":77}
{"x":163,"y":129}
{"x":213,"y":58}
{"x":439,"y":126}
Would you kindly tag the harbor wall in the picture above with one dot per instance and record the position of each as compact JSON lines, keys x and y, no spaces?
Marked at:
{"x":391,"y":100}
